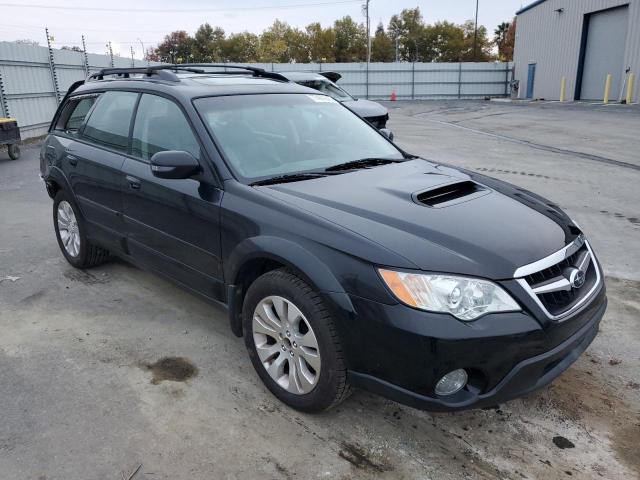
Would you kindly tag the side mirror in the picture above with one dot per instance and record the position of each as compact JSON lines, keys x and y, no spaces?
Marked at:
{"x":174,"y":165}
{"x":387,"y":133}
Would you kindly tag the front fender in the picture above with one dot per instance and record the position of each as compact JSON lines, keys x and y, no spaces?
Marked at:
{"x":286,"y":252}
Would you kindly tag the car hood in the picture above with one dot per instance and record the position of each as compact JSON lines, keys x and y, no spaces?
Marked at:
{"x":489,"y":233}
{"x":366,"y":108}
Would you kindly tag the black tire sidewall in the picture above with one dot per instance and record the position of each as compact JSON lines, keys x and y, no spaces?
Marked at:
{"x":286,"y":285}
{"x":79,"y":260}
{"x":14,"y":151}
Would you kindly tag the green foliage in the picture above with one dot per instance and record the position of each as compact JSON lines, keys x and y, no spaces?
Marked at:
{"x":344,"y":41}
{"x":382,"y":46}
{"x":504,"y":38}
{"x":351,"y":40}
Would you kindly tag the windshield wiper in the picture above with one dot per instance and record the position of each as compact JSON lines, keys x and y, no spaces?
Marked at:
{"x":362,"y":163}
{"x":294,"y":177}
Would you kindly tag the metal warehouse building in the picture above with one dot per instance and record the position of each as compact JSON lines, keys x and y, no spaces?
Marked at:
{"x":583,"y":41}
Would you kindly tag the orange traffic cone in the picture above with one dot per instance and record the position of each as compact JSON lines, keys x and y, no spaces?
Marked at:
{"x":394,"y":97}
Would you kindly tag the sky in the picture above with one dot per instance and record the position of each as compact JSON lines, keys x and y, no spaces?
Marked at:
{"x":131,"y":24}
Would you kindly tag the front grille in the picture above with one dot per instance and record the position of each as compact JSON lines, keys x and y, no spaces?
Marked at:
{"x":553,"y":288}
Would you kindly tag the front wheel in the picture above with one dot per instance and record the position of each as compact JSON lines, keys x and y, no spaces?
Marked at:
{"x":293,"y":343}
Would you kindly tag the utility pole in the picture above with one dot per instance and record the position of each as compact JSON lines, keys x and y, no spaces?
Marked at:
{"x":475,"y":35}
{"x":133,"y":62}
{"x":397,"y":49}
{"x":365,"y":7}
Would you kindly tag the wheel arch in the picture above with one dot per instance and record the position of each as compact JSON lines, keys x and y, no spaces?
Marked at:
{"x":55,"y":180}
{"x":258,"y":255}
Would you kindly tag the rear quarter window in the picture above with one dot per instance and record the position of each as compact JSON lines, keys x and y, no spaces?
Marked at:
{"x":74,"y":114}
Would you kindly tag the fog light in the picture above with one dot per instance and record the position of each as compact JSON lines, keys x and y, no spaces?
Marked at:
{"x":452,"y":382}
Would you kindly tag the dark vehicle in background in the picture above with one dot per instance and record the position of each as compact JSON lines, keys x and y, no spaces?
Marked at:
{"x":342,"y":260}
{"x":326,"y":82}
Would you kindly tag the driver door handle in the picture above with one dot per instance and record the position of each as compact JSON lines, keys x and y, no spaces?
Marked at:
{"x":134,"y":183}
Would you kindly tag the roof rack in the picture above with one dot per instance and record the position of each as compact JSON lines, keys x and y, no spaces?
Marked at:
{"x":168,"y":72}
{"x":256,"y":71}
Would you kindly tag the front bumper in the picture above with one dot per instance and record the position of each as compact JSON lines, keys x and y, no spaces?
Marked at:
{"x":506,"y":356}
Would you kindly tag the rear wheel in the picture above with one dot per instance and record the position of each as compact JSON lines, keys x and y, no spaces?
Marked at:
{"x":71,"y":235}
{"x":293,"y":343}
{"x":14,"y":151}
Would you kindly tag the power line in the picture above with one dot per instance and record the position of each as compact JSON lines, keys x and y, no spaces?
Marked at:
{"x":178,"y":10}
{"x":75,"y":28}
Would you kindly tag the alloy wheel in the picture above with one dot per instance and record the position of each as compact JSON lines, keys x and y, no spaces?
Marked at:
{"x":68,"y":228}
{"x":286,"y":345}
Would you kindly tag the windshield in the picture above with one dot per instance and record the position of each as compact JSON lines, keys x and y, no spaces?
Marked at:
{"x":327,"y":87}
{"x":263,"y":136}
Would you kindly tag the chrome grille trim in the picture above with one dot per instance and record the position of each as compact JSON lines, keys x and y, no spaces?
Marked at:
{"x":554,"y":259}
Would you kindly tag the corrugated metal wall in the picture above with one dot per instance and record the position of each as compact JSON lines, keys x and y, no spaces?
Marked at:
{"x":552,"y":41}
{"x":414,"y":80}
{"x":27,"y":85}
{"x":29,"y":93}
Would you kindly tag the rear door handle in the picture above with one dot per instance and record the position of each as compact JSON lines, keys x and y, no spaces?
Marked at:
{"x":134,"y":183}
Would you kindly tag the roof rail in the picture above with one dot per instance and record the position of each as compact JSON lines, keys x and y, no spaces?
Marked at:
{"x":256,"y":71}
{"x":168,"y":72}
{"x":162,"y":71}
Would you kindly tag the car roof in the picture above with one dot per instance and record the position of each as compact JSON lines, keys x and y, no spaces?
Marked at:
{"x":196,"y":85}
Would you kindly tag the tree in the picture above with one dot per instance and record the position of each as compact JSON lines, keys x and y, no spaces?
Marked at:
{"x":273,"y":43}
{"x":177,"y":47}
{"x":408,"y":28}
{"x":443,"y":42}
{"x":209,"y":44}
{"x":297,"y":45}
{"x":242,"y":47}
{"x":500,"y":39}
{"x":382,"y":48}
{"x":351,"y":40}
{"x":321,"y":43}
{"x":509,"y":43}
{"x":73,"y":49}
{"x":480,"y":52}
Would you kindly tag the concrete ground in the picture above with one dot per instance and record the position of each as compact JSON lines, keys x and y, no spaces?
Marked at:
{"x":83,"y":394}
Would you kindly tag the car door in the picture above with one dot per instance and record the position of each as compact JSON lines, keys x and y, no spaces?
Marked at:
{"x":93,"y":159}
{"x":173,"y":226}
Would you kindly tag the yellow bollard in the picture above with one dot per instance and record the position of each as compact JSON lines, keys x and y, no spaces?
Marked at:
{"x":630,"y":85}
{"x":563,"y":88}
{"x":607,"y":88}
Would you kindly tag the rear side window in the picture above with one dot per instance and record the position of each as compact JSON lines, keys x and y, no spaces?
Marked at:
{"x":109,"y":123}
{"x":161,"y":125}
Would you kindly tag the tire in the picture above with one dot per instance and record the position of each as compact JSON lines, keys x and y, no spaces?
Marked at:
{"x":330,"y":385}
{"x":14,"y":151}
{"x":82,"y":254}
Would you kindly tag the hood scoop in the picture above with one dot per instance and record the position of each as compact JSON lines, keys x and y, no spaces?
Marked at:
{"x":450,"y":194}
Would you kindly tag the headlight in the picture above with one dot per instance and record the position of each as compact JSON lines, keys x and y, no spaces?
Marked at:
{"x":463,"y":297}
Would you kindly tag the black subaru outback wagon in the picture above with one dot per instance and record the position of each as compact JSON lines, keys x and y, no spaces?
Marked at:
{"x":342,"y":260}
